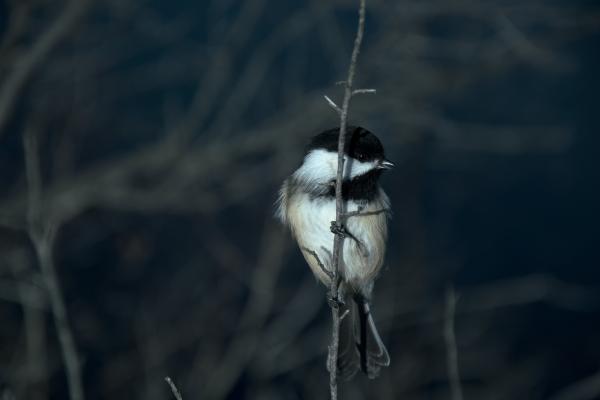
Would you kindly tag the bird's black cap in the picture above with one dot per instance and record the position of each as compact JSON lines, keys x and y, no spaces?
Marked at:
{"x":361,"y":144}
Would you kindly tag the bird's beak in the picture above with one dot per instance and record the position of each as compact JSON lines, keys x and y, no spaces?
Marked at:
{"x":385,"y":164}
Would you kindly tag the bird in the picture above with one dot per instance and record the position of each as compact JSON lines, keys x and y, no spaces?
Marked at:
{"x":307,"y":205}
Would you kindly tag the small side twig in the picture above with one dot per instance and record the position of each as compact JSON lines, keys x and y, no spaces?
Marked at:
{"x":316,"y":256}
{"x":333,"y":105}
{"x":364,"y":213}
{"x":344,"y":315}
{"x":451,"y":351}
{"x":363,"y":91}
{"x":174,"y":389}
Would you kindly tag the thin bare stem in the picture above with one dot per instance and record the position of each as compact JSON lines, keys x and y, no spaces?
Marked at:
{"x":42,"y":232}
{"x":333,"y":105}
{"x":365,"y":213}
{"x":339,"y":208}
{"x":363,"y":91}
{"x":316,"y":257}
{"x":174,"y":389}
{"x":451,"y":351}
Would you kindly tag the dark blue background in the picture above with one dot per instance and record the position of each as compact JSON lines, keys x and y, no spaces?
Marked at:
{"x":465,"y":217}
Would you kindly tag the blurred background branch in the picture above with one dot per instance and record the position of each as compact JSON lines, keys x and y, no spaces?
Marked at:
{"x":163,"y":132}
{"x":25,"y":65}
{"x":451,"y":347}
{"x":42,"y":233}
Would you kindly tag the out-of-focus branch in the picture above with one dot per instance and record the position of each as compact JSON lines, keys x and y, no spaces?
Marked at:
{"x":42,"y":232}
{"x":286,"y":329}
{"x":198,"y":169}
{"x":108,"y":184}
{"x":451,"y":350}
{"x":23,"y":293}
{"x":338,"y":224}
{"x":252,"y":76}
{"x":246,"y":342}
{"x":24,"y":68}
{"x":524,"y":47}
{"x":586,"y":389}
{"x":34,"y":303}
{"x":508,"y":293}
{"x":529,"y":289}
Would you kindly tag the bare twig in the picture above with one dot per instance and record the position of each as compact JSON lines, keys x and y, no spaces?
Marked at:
{"x":338,"y":225}
{"x":363,"y":91}
{"x":332,"y":104}
{"x":451,"y":351}
{"x":314,"y":254}
{"x":42,"y":233}
{"x":344,"y":315}
{"x":174,"y":389}
{"x":360,"y":213}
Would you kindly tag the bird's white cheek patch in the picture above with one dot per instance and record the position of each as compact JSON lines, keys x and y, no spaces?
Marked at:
{"x":320,"y":166}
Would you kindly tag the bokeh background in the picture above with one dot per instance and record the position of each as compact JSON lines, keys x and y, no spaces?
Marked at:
{"x":142,"y":143}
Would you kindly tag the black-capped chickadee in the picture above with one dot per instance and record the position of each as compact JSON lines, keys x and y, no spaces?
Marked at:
{"x":307,"y":205}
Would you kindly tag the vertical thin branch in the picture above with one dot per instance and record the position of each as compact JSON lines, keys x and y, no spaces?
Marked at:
{"x":339,"y":207}
{"x":43,"y":232}
{"x":451,"y":351}
{"x":35,"y":329}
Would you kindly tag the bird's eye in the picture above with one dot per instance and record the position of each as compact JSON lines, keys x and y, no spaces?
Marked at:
{"x":361,"y":157}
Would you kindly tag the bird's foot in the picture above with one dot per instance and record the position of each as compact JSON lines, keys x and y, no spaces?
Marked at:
{"x":338,"y":229}
{"x":335,"y":302}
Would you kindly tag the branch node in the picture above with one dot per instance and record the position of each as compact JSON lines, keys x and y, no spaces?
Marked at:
{"x":336,"y":301}
{"x":338,"y":228}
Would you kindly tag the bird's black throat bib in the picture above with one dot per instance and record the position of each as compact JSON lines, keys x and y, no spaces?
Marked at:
{"x":363,"y":187}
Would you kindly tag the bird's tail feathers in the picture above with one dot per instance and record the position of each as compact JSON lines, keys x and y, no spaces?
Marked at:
{"x":360,"y":345}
